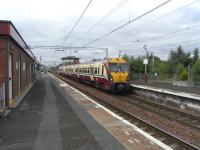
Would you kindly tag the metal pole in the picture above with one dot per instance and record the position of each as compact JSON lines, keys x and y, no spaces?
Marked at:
{"x":145,"y":48}
{"x":106,"y":53}
{"x":153,"y":60}
{"x":145,"y":64}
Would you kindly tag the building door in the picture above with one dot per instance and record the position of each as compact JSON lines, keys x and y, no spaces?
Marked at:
{"x":10,"y":77}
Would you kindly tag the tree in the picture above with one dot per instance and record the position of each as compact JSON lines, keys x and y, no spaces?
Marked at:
{"x":196,"y":68}
{"x":136,"y":65}
{"x":196,"y":55}
{"x":125,"y":57}
{"x":184,"y":75}
{"x":178,"y":57}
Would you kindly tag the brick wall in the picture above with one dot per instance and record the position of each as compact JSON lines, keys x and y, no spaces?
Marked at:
{"x":21,"y":63}
{"x":3,"y":60}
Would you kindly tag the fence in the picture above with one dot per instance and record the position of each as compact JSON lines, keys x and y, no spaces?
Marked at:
{"x":166,"y":78}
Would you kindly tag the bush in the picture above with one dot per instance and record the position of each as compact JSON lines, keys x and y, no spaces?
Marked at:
{"x":184,"y":75}
{"x":196,"y":68}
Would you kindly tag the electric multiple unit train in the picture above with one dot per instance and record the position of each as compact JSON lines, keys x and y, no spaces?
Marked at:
{"x":111,"y":74}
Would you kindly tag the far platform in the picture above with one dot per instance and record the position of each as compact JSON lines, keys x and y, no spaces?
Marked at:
{"x":168,"y":86}
{"x":178,"y":97}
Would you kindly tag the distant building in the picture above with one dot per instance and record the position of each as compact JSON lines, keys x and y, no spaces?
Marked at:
{"x":69,"y":60}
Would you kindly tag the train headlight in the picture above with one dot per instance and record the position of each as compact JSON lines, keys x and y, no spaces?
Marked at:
{"x":110,"y":78}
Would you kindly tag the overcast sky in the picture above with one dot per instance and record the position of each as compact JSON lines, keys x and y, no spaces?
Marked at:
{"x":48,"y":22}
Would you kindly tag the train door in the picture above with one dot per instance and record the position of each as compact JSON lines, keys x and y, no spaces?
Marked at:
{"x":92,"y":72}
{"x":10,"y":77}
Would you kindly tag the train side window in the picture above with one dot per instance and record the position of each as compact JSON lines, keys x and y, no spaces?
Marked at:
{"x":95,"y":70}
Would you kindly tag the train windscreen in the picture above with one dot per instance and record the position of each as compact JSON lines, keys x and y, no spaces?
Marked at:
{"x":113,"y":67}
{"x":123,"y":67}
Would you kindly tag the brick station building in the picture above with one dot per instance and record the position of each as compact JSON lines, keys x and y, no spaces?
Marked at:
{"x":17,"y":66}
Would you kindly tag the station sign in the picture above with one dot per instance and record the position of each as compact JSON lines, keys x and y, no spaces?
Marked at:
{"x":145,"y":61}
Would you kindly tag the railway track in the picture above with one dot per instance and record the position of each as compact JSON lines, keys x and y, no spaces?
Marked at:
{"x":184,"y":118}
{"x":162,"y":135}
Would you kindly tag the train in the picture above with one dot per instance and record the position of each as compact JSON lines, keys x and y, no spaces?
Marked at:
{"x":111,"y":74}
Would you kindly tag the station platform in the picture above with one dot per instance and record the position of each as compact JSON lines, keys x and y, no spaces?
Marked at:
{"x":169,"y":86}
{"x":54,"y":116}
{"x":178,"y":97}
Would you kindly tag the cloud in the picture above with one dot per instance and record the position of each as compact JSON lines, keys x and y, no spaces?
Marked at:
{"x":48,"y":22}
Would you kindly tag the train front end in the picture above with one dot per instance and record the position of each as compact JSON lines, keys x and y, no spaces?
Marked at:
{"x":118,"y":74}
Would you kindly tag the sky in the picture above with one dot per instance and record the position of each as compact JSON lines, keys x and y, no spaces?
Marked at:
{"x":48,"y":22}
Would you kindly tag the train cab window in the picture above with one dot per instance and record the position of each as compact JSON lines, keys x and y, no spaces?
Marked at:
{"x":102,"y":70}
{"x":97,"y":70}
{"x":123,"y":67}
{"x":113,"y":67}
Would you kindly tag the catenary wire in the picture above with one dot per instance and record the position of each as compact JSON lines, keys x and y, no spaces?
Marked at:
{"x":172,"y":33}
{"x":109,"y":13}
{"x":129,"y":22}
{"x":69,"y":34}
{"x":168,"y":14}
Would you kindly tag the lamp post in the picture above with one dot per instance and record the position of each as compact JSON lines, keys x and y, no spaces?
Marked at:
{"x":145,"y":64}
{"x":145,"y":61}
{"x":153,"y":59}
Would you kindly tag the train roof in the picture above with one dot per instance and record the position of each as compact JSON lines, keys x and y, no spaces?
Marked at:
{"x":111,"y":60}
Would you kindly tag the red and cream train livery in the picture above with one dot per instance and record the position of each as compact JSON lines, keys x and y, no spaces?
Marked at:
{"x":111,"y":74}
